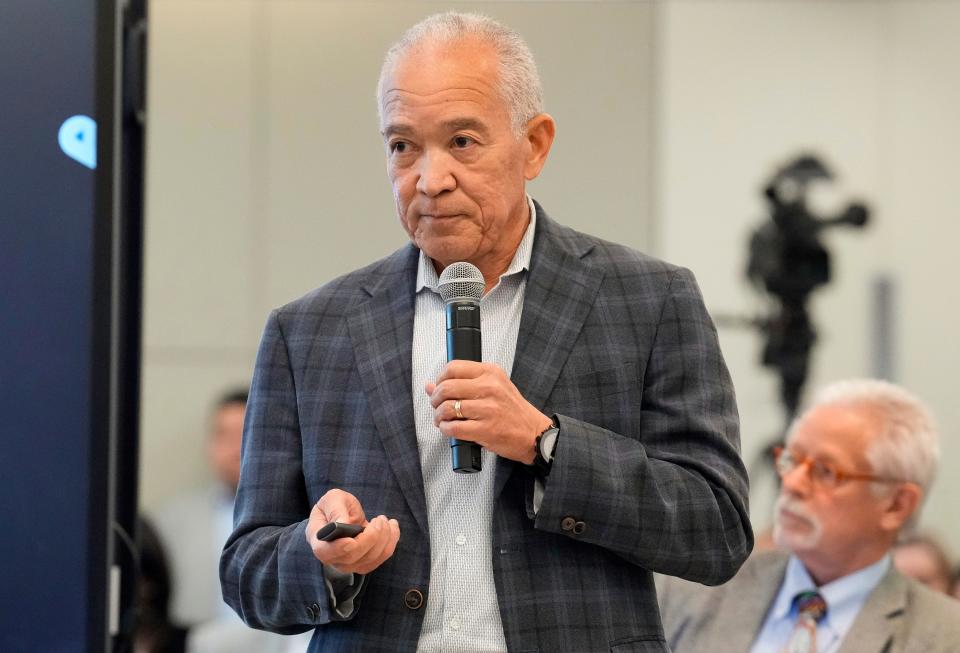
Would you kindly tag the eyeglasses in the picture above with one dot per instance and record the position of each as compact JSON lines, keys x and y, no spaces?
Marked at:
{"x":819,"y":472}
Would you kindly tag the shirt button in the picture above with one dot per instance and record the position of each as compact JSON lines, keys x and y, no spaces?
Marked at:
{"x":579,"y":527}
{"x":567,"y":523}
{"x":461,"y":540}
{"x":455,"y":623}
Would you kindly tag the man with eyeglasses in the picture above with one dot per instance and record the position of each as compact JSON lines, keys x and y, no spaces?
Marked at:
{"x":855,"y":470}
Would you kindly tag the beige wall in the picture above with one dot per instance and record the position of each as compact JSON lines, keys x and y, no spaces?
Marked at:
{"x":872,"y":86}
{"x":266,"y":174}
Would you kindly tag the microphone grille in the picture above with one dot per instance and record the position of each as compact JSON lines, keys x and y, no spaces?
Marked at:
{"x":461,"y":280}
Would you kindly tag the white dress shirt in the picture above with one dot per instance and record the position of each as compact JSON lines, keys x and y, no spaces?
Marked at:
{"x":462,"y":613}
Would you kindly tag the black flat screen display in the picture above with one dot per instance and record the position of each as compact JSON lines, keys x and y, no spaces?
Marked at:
{"x":49,"y":227}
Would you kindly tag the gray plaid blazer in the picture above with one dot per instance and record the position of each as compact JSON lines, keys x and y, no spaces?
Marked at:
{"x":617,"y":344}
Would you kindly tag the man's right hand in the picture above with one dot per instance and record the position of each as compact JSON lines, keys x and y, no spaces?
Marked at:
{"x":361,"y":554}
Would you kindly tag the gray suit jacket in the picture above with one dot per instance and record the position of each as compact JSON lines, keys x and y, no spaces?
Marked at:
{"x":618,"y":344}
{"x":900,"y":615}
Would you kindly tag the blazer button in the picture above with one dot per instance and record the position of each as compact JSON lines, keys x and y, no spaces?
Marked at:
{"x":567,"y":523}
{"x":413,"y":599}
{"x":579,"y":527}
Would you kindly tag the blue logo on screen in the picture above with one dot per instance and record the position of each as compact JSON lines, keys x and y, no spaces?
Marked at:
{"x":78,"y":140}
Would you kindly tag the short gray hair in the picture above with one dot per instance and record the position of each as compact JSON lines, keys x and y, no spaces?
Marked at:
{"x":519,"y":81}
{"x":907,"y":445}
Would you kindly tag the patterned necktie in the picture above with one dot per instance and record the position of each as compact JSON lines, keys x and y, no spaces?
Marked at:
{"x":811,"y":609}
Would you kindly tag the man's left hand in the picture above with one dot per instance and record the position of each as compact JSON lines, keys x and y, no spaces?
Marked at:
{"x":494,"y":413}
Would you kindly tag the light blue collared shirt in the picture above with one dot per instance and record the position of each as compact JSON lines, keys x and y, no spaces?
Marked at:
{"x":462,"y":614}
{"x":844,"y":596}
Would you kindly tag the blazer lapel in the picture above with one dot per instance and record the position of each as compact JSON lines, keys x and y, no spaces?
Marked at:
{"x":739,"y":618}
{"x":559,"y":293}
{"x":382,"y":333}
{"x":878,"y":620}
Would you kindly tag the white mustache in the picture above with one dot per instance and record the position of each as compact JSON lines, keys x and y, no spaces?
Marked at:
{"x":796,"y":508}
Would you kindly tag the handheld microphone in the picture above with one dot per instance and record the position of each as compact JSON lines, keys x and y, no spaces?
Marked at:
{"x":461,"y":286}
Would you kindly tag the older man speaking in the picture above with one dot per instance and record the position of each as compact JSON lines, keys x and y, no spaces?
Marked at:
{"x":603,"y":407}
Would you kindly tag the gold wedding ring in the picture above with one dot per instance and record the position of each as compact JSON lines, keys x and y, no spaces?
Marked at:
{"x":456,"y":409}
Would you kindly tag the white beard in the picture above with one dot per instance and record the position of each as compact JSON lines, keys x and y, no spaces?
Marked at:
{"x":789,"y":539}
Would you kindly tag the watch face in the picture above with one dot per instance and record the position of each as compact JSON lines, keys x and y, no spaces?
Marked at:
{"x":547,"y":443}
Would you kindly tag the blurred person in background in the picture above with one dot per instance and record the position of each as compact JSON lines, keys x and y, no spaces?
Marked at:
{"x":855,"y":470}
{"x":194,"y":527}
{"x":195,"y":524}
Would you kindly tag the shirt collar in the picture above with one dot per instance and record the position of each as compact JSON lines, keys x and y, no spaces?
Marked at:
{"x":427,"y":274}
{"x":844,"y":596}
